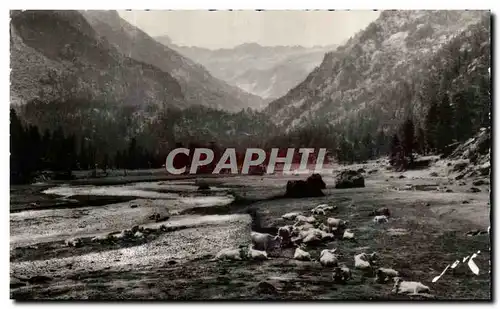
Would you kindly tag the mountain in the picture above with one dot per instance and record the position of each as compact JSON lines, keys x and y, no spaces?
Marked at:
{"x":198,"y":85}
{"x":57,"y":55}
{"x":266,"y":71}
{"x":375,"y":78}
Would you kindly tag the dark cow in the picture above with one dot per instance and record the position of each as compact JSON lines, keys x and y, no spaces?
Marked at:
{"x":309,"y":188}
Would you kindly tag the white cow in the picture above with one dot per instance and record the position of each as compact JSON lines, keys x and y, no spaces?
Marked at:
{"x":265,"y":242}
{"x":380,"y":219}
{"x":73,"y":242}
{"x":290,"y":215}
{"x":301,"y":255}
{"x":229,"y":254}
{"x":257,"y":255}
{"x":409,"y":287}
{"x":341,"y":274}
{"x":348,"y":235}
{"x":335,"y":223}
{"x":363,"y":260}
{"x":328,"y":258}
{"x":383,"y":275}
{"x":305,"y":219}
{"x":99,"y":238}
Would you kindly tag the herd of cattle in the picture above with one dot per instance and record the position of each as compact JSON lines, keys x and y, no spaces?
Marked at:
{"x":307,"y":231}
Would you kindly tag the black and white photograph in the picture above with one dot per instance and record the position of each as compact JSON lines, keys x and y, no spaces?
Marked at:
{"x":249,"y":155}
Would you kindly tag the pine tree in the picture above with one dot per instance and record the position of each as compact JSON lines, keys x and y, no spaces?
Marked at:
{"x":396,"y":151}
{"x":431,"y":127}
{"x":445,"y":126}
{"x":420,"y":141}
{"x":463,"y":125}
{"x":408,"y":141}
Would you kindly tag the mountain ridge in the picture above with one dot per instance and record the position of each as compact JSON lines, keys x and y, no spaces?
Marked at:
{"x":199,"y":86}
{"x":267,"y":71}
{"x":373,"y":71}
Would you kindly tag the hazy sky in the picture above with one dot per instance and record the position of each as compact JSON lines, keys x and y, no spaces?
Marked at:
{"x":225,"y":29}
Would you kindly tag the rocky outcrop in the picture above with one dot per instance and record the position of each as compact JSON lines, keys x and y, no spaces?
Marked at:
{"x":311,"y":187}
{"x":349,"y":179}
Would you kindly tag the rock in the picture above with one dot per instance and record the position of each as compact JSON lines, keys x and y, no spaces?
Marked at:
{"x":372,"y":171}
{"x":349,"y":179}
{"x":172,"y":262}
{"x":381,"y":211}
{"x":258,"y":170}
{"x":427,"y":204}
{"x":474,"y":190}
{"x":39,"y":279}
{"x":16,"y":283}
{"x":434,"y":174}
{"x":476,"y":233}
{"x":158,"y":217}
{"x":402,"y":176}
{"x":266,"y":288}
{"x":465,"y":202}
{"x":448,"y":190}
{"x":448,"y":164}
{"x":484,"y":169}
{"x":311,"y":187}
{"x":134,"y":206}
{"x":460,"y":166}
{"x":203,"y":187}
{"x":460,"y":176}
{"x":480,"y":182}
{"x":361,"y":170}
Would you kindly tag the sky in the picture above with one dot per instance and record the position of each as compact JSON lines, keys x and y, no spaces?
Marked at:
{"x":226,"y":29}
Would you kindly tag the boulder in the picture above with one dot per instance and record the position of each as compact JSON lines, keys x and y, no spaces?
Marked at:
{"x":349,"y":179}
{"x":460,"y":166}
{"x":474,"y":190}
{"x":480,"y":182}
{"x":203,"y":187}
{"x":16,"y":283}
{"x":311,"y":187}
{"x":266,"y":288}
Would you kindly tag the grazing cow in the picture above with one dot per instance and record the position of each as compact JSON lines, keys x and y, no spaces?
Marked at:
{"x":322,"y":209}
{"x":341,"y":274}
{"x":265,"y":242}
{"x":383,"y":275}
{"x":334,"y":223}
{"x":301,"y":255}
{"x":303,"y":219}
{"x":285,"y":232}
{"x":380,"y":219}
{"x":348,"y":235}
{"x":257,"y":255}
{"x":328,"y":258}
{"x":318,"y":212}
{"x":99,"y":238}
{"x":381,"y":211}
{"x":290,"y":216}
{"x":228,"y":254}
{"x":73,"y":242}
{"x":364,"y":261}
